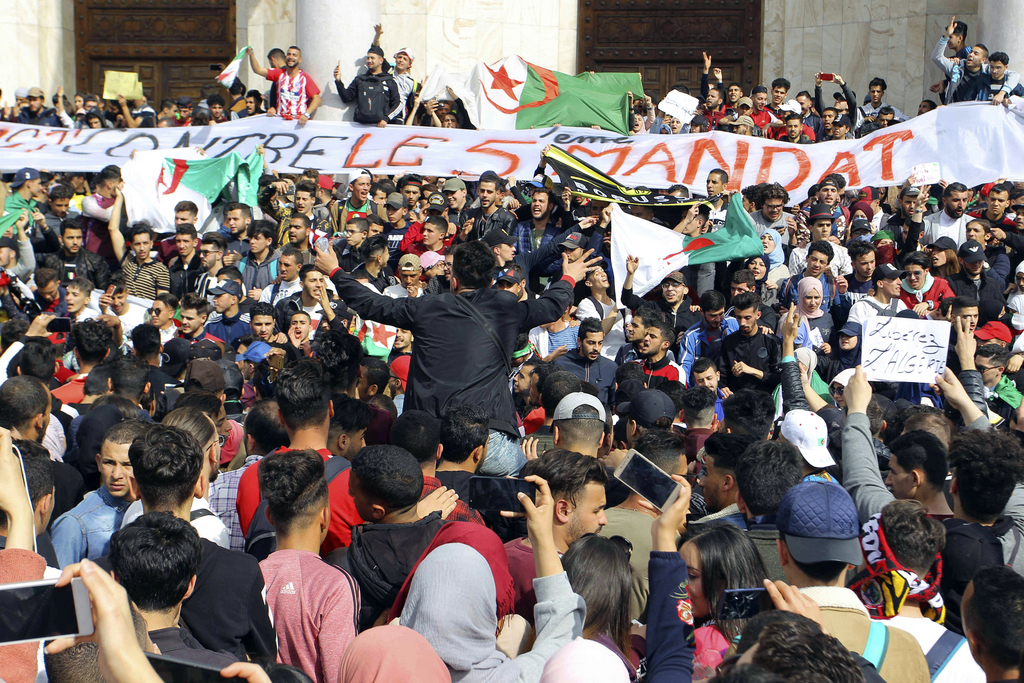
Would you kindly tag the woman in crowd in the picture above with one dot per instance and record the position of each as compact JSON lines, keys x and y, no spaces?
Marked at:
{"x":944,"y":261}
{"x":815,"y":324}
{"x":776,"y":255}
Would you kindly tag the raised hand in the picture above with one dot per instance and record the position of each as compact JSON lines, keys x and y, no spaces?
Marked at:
{"x":632,"y":263}
{"x":707,"y":62}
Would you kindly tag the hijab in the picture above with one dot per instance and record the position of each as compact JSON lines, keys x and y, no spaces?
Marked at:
{"x":808,"y":357}
{"x":391,"y":654}
{"x":485,"y":542}
{"x":760,"y":282}
{"x":451,"y":603}
{"x":803,"y":288}
{"x":584,"y":661}
{"x":778,"y":255}
{"x":869,"y":213}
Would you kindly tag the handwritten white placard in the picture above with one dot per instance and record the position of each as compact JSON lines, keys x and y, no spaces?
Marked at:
{"x":903,"y":349}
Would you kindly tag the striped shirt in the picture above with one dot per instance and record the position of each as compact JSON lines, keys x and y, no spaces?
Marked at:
{"x":147,"y":280}
{"x":293,"y":92}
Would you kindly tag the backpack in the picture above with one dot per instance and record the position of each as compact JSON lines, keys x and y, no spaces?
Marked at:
{"x":372,"y":100}
{"x":883,"y":311}
{"x":261,"y":539}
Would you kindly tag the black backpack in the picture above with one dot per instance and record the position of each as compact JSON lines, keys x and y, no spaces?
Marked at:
{"x":372,"y":100}
{"x":261,"y":539}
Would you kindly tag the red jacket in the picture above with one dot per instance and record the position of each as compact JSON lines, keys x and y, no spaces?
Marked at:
{"x":939,"y":290}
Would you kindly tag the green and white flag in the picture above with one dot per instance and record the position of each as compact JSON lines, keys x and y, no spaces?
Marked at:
{"x":210,"y":177}
{"x":662,"y":251}
{"x":230,"y":72}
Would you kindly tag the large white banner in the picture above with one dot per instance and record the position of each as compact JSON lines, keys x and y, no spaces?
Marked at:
{"x":973,"y":143}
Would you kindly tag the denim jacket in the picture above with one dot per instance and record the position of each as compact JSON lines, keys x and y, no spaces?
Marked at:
{"x":85,"y":530}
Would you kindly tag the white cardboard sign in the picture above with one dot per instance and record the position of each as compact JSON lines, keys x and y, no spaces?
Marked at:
{"x":903,"y":349}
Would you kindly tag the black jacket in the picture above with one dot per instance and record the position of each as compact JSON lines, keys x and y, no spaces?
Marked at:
{"x":86,"y":265}
{"x":380,"y":559}
{"x":682,"y":318}
{"x":762,"y":351}
{"x":286,"y":307}
{"x":991,"y":287}
{"x":502,"y":219}
{"x":454,"y":361}
{"x":376,"y":98}
{"x":600,"y":373}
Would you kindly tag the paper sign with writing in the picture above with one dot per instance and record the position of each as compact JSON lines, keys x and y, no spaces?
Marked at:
{"x":904,"y":349}
{"x":680,"y":105}
{"x":927,"y":173}
{"x":121,"y":83}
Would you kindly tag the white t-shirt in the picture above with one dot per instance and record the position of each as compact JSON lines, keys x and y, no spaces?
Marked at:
{"x":839,"y":265}
{"x":862,"y":310}
{"x":944,"y":227}
{"x":134,"y":315}
{"x":960,"y":668}
{"x":208,"y":526}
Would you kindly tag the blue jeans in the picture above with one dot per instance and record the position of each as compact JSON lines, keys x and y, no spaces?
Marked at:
{"x":504,"y":457}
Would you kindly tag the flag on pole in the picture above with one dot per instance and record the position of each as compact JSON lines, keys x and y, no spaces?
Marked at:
{"x":584,"y":180}
{"x":512,"y":93}
{"x":230,"y":72}
{"x":662,"y":251}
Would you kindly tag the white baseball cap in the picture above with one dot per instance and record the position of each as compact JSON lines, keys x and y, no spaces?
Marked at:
{"x":567,"y":407}
{"x":408,"y":53}
{"x":807,"y":431}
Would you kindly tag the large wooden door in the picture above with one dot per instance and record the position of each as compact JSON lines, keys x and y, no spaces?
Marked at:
{"x":169,"y":43}
{"x":663,"y":40}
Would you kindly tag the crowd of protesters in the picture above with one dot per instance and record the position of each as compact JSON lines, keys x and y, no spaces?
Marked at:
{"x":255,"y":439}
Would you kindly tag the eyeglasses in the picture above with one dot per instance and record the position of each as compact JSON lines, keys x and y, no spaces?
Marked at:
{"x":986,"y":368}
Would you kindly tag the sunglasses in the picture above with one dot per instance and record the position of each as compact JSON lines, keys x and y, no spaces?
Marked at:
{"x":836,"y":389}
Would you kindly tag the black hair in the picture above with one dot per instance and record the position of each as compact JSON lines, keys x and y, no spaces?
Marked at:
{"x":793,"y":116}
{"x":303,"y":394}
{"x":70,"y":223}
{"x":674,"y":389}
{"x":727,"y":448}
{"x":146,"y":340}
{"x":878,"y":81}
{"x":598,"y":571}
{"x":350,"y":415}
{"x":129,"y":377}
{"x":263,"y":425}
{"x":261,"y":308}
{"x":166,"y":463}
{"x":38,"y":472}
{"x":340,"y":354}
{"x":628,"y":371}
{"x":995,"y":613}
{"x":92,"y":339}
{"x":155,"y":558}
{"x":953,"y":187}
{"x":960,"y":29}
{"x":697,"y":403}
{"x":418,"y":432}
{"x":886,"y":111}
{"x":1000,"y":57}
{"x":961,"y":302}
{"x":712,"y":300}
{"x":21,"y":399}
{"x":293,"y":484}
{"x":264,"y":228}
{"x":473,"y":264}
{"x":860,"y":248}
{"x":390,"y":475}
{"x":729,"y":560}
{"x":932,"y":105}
{"x":986,"y":466}
{"x":664,"y":328}
{"x":922,"y":450}
{"x":723,"y":177}
{"x":376,"y":372}
{"x":749,"y":412}
{"x":994,"y":352}
{"x":800,"y":651}
{"x":464,"y":428}
{"x":96,"y":381}
{"x":590,"y":326}
{"x":194,"y":302}
{"x":108,"y":173}
{"x":303,"y":219}
{"x":702,"y":364}
{"x":774,"y":191}
{"x":822,"y":247}
{"x":557,"y":386}
{"x":765,"y":472}
{"x":373,"y":246}
{"x":648,"y":313}
{"x":914,"y":537}
{"x":663,"y":447}
{"x":781,"y":83}
{"x":567,"y":473}
{"x":745,"y":301}
{"x":37,"y":358}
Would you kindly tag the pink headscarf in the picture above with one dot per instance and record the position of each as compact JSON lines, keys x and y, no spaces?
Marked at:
{"x":803,"y":288}
{"x":391,"y":654}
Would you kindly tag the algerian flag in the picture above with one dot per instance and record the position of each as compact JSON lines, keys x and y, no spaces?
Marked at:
{"x":377,"y":338}
{"x":512,"y":93}
{"x":209,"y":177}
{"x":13,"y":206}
{"x":230,"y":72}
{"x":662,"y":251}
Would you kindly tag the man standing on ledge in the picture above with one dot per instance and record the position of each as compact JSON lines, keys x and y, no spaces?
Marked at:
{"x":297,"y":95}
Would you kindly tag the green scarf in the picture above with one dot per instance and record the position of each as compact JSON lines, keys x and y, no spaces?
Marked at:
{"x":1007,"y":391}
{"x":12,"y":211}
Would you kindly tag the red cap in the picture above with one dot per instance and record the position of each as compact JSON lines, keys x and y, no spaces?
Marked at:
{"x":994,"y":330}
{"x":400,"y":369}
{"x":986,"y":188}
{"x":326,"y":182}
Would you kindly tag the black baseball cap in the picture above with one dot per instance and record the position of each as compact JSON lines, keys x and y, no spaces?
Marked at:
{"x":648,"y":406}
{"x":886,"y":271}
{"x":971,"y":252}
{"x":572,"y":241}
{"x":496,"y":236}
{"x":227,"y":287}
{"x":818,"y":521}
{"x":944,"y":243}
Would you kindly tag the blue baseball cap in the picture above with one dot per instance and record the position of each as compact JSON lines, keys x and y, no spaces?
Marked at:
{"x":24,"y":175}
{"x":818,"y":521}
{"x":257,"y":351}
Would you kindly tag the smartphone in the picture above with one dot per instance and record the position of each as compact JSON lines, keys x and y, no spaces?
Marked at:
{"x":742,"y":603}
{"x":110,"y":290}
{"x":177,"y":671}
{"x":216,"y":67}
{"x":828,"y":77}
{"x":38,"y":610}
{"x":322,"y":244}
{"x":647,"y":479}
{"x":276,"y":361}
{"x":59,"y":325}
{"x":498,"y":493}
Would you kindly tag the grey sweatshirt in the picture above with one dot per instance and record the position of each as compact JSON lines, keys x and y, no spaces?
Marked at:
{"x":559,"y":616}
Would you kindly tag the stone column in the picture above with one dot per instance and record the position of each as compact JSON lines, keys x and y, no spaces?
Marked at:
{"x":999,"y":24}
{"x":329,"y":31}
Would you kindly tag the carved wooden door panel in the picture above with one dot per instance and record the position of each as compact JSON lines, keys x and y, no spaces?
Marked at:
{"x":169,"y":43}
{"x":663,"y":40}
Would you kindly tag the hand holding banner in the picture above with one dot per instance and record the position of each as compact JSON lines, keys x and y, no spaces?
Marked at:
{"x":904,"y":349}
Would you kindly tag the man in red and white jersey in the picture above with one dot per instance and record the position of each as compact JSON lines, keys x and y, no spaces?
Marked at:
{"x":297,"y":95}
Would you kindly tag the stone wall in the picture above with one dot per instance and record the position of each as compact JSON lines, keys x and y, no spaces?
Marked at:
{"x":39,"y":38}
{"x":861,"y":39}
